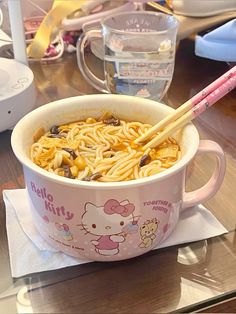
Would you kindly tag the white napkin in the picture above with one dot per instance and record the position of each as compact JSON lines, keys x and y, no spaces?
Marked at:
{"x":29,"y":253}
{"x":219,"y":44}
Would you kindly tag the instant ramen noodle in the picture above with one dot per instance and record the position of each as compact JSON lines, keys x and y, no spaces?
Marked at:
{"x":102,"y":150}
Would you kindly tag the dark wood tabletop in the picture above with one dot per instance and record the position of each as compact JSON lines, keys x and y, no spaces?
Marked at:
{"x":159,"y":281}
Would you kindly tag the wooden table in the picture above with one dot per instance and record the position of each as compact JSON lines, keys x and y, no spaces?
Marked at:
{"x":165,"y":280}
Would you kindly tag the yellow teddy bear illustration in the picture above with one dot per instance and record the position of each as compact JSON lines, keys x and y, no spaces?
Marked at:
{"x":147,"y":232}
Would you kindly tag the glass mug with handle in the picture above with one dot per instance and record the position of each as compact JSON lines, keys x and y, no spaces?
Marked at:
{"x":139,"y":53}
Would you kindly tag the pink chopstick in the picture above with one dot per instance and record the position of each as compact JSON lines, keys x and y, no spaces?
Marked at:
{"x":211,"y":91}
{"x":214,"y":96}
{"x":190,"y":109}
{"x":213,"y":86}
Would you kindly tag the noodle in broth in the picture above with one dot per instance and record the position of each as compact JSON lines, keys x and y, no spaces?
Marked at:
{"x":102,"y":150}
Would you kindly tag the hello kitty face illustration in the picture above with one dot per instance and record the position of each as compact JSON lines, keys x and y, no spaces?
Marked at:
{"x":110,"y":223}
{"x":109,"y":219}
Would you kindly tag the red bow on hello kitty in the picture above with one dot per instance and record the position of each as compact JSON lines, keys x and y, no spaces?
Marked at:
{"x":114,"y":207}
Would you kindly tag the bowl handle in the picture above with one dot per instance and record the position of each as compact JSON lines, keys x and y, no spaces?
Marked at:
{"x":212,"y":186}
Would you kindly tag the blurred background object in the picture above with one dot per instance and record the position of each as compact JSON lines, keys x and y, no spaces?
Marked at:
{"x":210,"y":23}
{"x":67,"y":24}
{"x":201,"y":8}
{"x":30,"y":8}
{"x":191,"y":24}
{"x":17,"y":89}
{"x":218,"y":44}
{"x":194,"y":17}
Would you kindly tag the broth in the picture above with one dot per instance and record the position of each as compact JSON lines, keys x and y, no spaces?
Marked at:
{"x":102,"y":150}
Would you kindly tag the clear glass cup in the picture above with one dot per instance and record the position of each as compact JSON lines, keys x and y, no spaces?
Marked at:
{"x":139,"y":53}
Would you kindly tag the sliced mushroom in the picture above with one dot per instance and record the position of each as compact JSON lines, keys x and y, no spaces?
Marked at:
{"x":54,"y":129}
{"x":144,"y":160}
{"x":108,"y":118}
{"x":60,"y":135}
{"x":67,"y":172}
{"x":112,"y":121}
{"x":92,"y":177}
{"x":70,"y":151}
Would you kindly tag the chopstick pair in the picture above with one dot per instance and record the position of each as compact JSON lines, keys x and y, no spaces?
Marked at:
{"x":190,"y":109}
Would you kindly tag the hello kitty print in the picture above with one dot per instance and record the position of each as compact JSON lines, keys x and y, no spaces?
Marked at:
{"x":113,"y":229}
{"x":110,"y":224}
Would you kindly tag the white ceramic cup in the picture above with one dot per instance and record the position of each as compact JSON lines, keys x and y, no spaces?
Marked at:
{"x":110,"y":221}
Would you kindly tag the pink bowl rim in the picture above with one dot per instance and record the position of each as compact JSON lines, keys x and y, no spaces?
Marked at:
{"x":26,"y":162}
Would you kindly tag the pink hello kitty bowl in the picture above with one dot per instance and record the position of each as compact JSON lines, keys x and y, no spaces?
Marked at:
{"x":110,"y":221}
